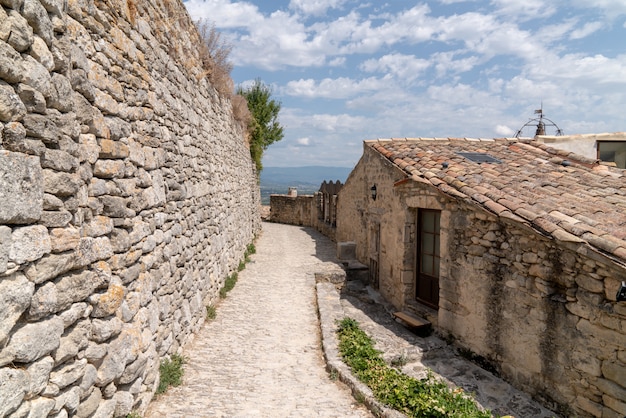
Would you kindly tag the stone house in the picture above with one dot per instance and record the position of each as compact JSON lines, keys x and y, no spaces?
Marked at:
{"x":512,"y":249}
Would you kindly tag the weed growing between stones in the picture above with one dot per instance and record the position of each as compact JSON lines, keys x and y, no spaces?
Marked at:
{"x":211,"y":313}
{"x":170,"y":373}
{"x":229,"y":284}
{"x":133,"y":414}
{"x":423,"y":398}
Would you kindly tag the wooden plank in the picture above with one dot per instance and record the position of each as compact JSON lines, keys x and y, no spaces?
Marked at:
{"x":411,"y":319}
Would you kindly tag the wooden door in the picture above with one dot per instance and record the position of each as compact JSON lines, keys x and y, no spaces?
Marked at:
{"x":427,"y":276}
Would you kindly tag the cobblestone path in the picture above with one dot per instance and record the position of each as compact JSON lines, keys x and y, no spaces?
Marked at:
{"x":261,"y":356}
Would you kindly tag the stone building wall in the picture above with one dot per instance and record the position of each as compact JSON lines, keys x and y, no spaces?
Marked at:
{"x":540,"y":313}
{"x":302,"y":210}
{"x":127,"y":195}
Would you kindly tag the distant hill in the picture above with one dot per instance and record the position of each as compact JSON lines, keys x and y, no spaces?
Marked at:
{"x":277,"y":180}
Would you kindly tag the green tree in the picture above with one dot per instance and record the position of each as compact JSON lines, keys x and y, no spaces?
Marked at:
{"x":264,"y":128}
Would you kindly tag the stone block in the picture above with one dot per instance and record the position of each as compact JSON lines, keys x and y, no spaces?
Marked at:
{"x":29,"y":243}
{"x":89,"y":405}
{"x":51,"y":266}
{"x":61,"y":184}
{"x":346,"y":250}
{"x":616,"y":405}
{"x":11,"y":106}
{"x":35,"y":340}
{"x":113,"y":149}
{"x":39,"y":50}
{"x":99,"y":225}
{"x":15,"y":295}
{"x":59,"y":160}
{"x":21,"y":188}
{"x":21,"y":35}
{"x":614,"y":372}
{"x":55,"y":219}
{"x":64,"y":239}
{"x":13,"y":387}
{"x":5,"y":246}
{"x":69,"y":373}
{"x":37,"y":17}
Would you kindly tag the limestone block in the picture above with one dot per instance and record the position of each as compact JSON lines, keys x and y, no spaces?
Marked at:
{"x":89,"y":378}
{"x":41,"y":407}
{"x":39,"y":373}
{"x":98,"y":226}
{"x":11,"y":63}
{"x":5,"y":245}
{"x":38,"y":19}
{"x":44,"y":301}
{"x":60,"y":184}
{"x":36,"y":76}
{"x":106,"y":103}
{"x":15,"y":295}
{"x":122,"y":350}
{"x":55,"y":219}
{"x":29,"y":243}
{"x":74,"y":340}
{"x":32,"y":99}
{"x":104,"y":329}
{"x":89,"y":405}
{"x":113,"y":149}
{"x":64,"y":239}
{"x":59,"y":160}
{"x":13,"y":387}
{"x":69,"y":400}
{"x":124,"y":404}
{"x":61,"y":94}
{"x":96,"y":352}
{"x":74,"y":313}
{"x":11,"y":106}
{"x":51,"y":266}
{"x":106,"y":409}
{"x":107,"y":303}
{"x":35,"y":340}
{"x":68,"y":373}
{"x":14,"y":139}
{"x":39,"y":50}
{"x":94,"y":249}
{"x":42,"y":127}
{"x":614,"y":372}
{"x":5,"y":25}
{"x":75,"y":287}
{"x":21,"y":36}
{"x":108,"y":169}
{"x":21,"y":190}
{"x":136,"y":153}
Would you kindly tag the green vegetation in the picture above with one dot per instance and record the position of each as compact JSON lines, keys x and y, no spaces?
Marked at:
{"x":264,"y":128}
{"x":133,"y":414}
{"x":425,"y":398}
{"x":229,"y":284}
{"x":211,"y":313}
{"x":170,"y":372}
{"x":250,"y":249}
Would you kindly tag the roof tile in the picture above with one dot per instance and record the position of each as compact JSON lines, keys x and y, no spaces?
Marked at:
{"x":584,"y":200}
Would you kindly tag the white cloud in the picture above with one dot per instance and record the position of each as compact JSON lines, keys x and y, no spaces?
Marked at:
{"x":314,"y":7}
{"x":524,"y":10}
{"x":586,"y":30}
{"x":338,"y":88}
{"x":505,"y":131}
{"x":404,"y":67}
{"x":224,"y":13}
{"x":304,"y":141}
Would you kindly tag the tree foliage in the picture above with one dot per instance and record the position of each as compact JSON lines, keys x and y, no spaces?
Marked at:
{"x":264,"y":128}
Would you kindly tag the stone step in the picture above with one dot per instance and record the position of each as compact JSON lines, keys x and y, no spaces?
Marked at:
{"x":412,"y":321}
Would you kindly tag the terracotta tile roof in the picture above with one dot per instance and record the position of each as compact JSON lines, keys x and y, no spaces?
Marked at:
{"x":560,"y":194}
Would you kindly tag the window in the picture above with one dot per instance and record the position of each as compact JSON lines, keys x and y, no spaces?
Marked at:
{"x":612,"y":151}
{"x":428,"y":256}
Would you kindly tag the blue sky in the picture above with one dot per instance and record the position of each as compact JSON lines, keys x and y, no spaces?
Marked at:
{"x":346,"y":71}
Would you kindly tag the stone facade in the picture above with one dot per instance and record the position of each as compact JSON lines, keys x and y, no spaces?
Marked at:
{"x":539,"y":311}
{"x":127,"y":195}
{"x":317,"y":211}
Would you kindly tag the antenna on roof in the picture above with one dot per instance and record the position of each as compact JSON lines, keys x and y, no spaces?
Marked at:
{"x":541,"y":123}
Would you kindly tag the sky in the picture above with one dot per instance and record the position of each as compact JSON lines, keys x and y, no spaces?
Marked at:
{"x":346,"y":71}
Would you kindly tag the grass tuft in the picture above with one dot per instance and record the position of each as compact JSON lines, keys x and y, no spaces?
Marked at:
{"x":229,"y":284}
{"x":170,"y":373}
{"x":421,"y":398}
{"x":211,"y":313}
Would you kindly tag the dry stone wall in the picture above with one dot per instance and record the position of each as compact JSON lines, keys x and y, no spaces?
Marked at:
{"x":127,"y":195}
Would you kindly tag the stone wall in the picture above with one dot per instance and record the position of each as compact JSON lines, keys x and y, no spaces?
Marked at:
{"x":302,"y":210}
{"x":127,"y":195}
{"x":540,"y":313}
